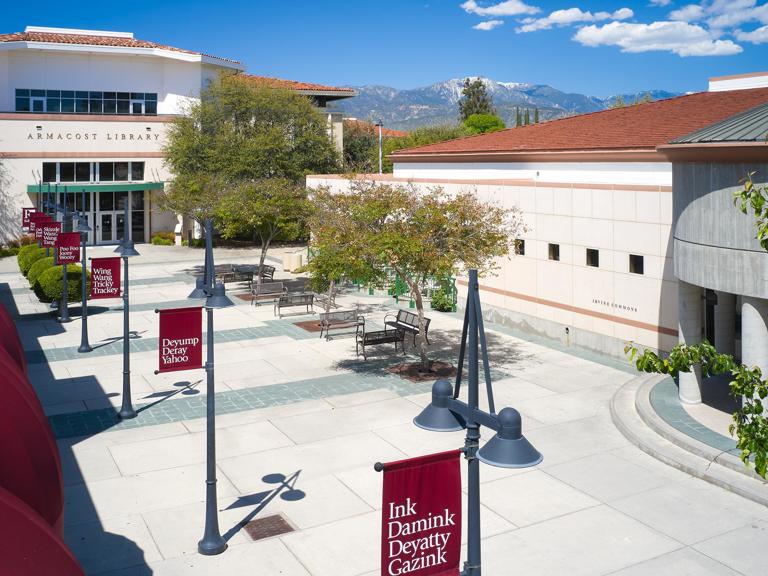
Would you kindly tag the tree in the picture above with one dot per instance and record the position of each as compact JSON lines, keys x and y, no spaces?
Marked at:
{"x":536,"y":115}
{"x":482,"y":123}
{"x":518,"y":118}
{"x":240,"y":132}
{"x":750,"y":422}
{"x":618,"y":102}
{"x":418,"y":234}
{"x":527,"y":117}
{"x":263,"y":209}
{"x":361,"y":147}
{"x":419,"y":137}
{"x":475,"y":100}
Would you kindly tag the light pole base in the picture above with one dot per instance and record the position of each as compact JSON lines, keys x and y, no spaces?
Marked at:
{"x":212,"y":546}
{"x":63,"y":320}
{"x":84,"y":348}
{"x":127,"y":413}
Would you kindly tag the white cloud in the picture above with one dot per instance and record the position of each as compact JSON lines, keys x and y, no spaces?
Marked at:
{"x":679,"y":38}
{"x":571,"y":16}
{"x":689,"y":13}
{"x":506,"y":8}
{"x":488,"y":25}
{"x":660,"y":2}
{"x":759,"y":36}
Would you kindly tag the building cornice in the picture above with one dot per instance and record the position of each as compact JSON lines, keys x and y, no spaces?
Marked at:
{"x":716,"y":152}
{"x":33,"y":117}
{"x":630,"y":155}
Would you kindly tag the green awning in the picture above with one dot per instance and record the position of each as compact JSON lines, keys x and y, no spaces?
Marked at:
{"x":106,"y":187}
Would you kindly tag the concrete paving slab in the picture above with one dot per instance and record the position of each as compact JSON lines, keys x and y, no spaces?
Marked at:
{"x":683,"y":562}
{"x":744,"y":549}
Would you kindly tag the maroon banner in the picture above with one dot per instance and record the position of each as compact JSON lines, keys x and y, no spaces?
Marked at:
{"x":181,"y":339}
{"x":421,"y":516}
{"x":36,"y":219}
{"x":68,"y":248}
{"x":51,"y":231}
{"x":105,"y":277}
{"x":25,"y":212}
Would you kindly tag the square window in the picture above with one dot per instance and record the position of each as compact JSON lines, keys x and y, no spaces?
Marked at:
{"x":106,"y":201}
{"x":49,"y":171}
{"x":150,"y":96}
{"x":120,"y":198}
{"x":67,"y":94}
{"x":106,"y":172}
{"x":110,"y":107}
{"x":83,"y":171}
{"x":150,"y":107}
{"x":38,"y":104}
{"x":22,"y":92}
{"x":123,"y":107}
{"x":67,"y":172}
{"x":123,"y":95}
{"x":96,"y":107}
{"x":81,"y":94}
{"x":67,"y":105}
{"x":520,"y":247}
{"x":137,"y":200}
{"x":137,"y":171}
{"x":39,"y":93}
{"x":554,"y":251}
{"x":81,"y":106}
{"x":636,"y":264}
{"x":593,"y":257}
{"x":95,"y":95}
{"x":137,"y":107}
{"x":53,"y":93}
{"x":53,"y":105}
{"x":121,"y":171}
{"x":137,"y":95}
{"x":110,"y":95}
{"x":22,"y":104}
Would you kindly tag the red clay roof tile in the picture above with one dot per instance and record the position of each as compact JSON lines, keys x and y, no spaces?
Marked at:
{"x":295,"y":85}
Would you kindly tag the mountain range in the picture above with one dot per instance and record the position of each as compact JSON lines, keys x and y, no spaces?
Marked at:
{"x":438,"y":103}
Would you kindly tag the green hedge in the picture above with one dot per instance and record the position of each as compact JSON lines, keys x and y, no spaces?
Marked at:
{"x":164,"y":238}
{"x":441,"y":301}
{"x":49,"y":284}
{"x":38,"y":268}
{"x":28,"y":255}
{"x":11,"y":251}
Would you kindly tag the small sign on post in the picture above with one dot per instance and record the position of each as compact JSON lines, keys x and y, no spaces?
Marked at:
{"x":105,"y":278}
{"x":51,"y":231}
{"x":68,"y":248}
{"x":181,"y":339}
{"x":421,"y":516}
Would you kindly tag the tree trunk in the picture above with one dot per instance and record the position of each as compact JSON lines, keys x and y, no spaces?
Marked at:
{"x":265,"y":242}
{"x":331,"y":290}
{"x":421,"y":338}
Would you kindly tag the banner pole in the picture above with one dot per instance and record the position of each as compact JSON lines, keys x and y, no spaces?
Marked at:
{"x":66,"y":226}
{"x":85,"y":346}
{"x":126,"y":410}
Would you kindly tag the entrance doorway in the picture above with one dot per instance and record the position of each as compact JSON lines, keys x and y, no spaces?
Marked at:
{"x":110,"y":216}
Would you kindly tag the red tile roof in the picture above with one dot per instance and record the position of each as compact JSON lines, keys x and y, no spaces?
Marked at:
{"x":95,"y":40}
{"x":637,"y":127}
{"x":385,"y":132}
{"x":294,"y":85}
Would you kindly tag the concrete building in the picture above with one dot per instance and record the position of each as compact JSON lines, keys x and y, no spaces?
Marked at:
{"x":596,"y":267}
{"x":88,"y":109}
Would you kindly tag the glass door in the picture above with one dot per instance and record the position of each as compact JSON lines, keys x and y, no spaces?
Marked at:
{"x":105,"y":228}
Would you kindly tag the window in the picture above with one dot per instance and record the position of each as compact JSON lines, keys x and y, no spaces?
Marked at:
{"x":121,"y":171}
{"x":83,"y":171}
{"x":84,"y":102}
{"x":520,"y":247}
{"x":554,"y":251}
{"x":593,"y":257}
{"x":49,"y":171}
{"x":93,"y":171}
{"x":635,"y":264}
{"x":67,"y":172}
{"x":137,"y":171}
{"x":106,"y":171}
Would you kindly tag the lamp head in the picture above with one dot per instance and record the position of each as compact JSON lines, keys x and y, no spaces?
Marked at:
{"x":82,"y":224}
{"x":437,"y":417}
{"x":126,"y":249}
{"x":509,"y":448}
{"x":218,"y":299}
{"x":199,"y":292}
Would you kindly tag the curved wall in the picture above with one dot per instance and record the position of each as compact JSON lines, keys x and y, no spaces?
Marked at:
{"x":714,"y":243}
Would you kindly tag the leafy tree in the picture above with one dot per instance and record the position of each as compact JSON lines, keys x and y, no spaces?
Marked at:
{"x":518,"y":118}
{"x":482,"y":123}
{"x":263,"y":209}
{"x":418,"y":234}
{"x":475,"y":100}
{"x":536,"y":115}
{"x":750,"y":422}
{"x":618,"y":102}
{"x":361,"y":147}
{"x":240,"y":133}
{"x":527,"y":117}
{"x":419,"y":137}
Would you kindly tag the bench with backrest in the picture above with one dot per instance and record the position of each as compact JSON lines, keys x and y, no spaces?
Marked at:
{"x":292,"y":299}
{"x":234,"y":273}
{"x":338,"y":320}
{"x":266,"y":272}
{"x":267,"y":291}
{"x":363,"y":339}
{"x":407,"y":322}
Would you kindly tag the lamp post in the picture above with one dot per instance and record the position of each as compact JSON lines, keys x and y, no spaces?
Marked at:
{"x":380,"y":124}
{"x":126,"y":250}
{"x":84,"y":228}
{"x":66,"y":226}
{"x":215,"y":298}
{"x":446,"y":413}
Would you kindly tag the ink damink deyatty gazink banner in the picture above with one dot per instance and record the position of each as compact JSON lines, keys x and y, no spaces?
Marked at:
{"x":421,"y":516}
{"x":181,"y":339}
{"x":68,"y":248}
{"x":105,"y":277}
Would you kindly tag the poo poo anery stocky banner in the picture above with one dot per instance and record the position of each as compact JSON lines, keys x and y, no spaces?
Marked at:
{"x":181,"y":339}
{"x":68,"y":248}
{"x":421,"y":516}
{"x":105,"y":277}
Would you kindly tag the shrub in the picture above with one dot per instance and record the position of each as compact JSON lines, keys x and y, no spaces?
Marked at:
{"x":28,"y":255}
{"x":48,"y":286}
{"x":25,"y":240}
{"x":164,"y":239}
{"x":5,"y":252}
{"x":441,"y":301}
{"x":38,"y":268}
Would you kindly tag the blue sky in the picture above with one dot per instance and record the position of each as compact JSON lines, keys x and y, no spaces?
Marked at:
{"x":593,"y":47}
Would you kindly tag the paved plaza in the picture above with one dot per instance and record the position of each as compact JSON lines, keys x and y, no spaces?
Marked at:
{"x":301,"y":421}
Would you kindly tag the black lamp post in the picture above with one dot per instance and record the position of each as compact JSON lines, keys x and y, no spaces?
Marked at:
{"x":126,"y":250}
{"x":84,"y":228}
{"x":66,"y":226}
{"x":507,"y":449}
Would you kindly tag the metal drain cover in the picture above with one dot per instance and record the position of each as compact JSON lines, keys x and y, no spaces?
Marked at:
{"x":267,"y":527}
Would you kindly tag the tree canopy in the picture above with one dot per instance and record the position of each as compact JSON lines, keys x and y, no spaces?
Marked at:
{"x":482,"y":123}
{"x":419,"y":137}
{"x":417,"y":233}
{"x":475,"y":100}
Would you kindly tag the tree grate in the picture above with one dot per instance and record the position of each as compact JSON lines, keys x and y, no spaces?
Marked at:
{"x":267,"y":527}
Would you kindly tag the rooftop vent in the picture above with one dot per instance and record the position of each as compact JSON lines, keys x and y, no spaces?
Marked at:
{"x":78,"y":32}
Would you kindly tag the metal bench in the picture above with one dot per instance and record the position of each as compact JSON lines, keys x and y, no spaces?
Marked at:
{"x":267,"y":291}
{"x":339,"y":319}
{"x":363,"y":339}
{"x":294,"y":299}
{"x":266,"y":272}
{"x":234,"y":273}
{"x":408,"y":322}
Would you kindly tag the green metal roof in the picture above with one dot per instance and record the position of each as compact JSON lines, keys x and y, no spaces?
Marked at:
{"x":749,"y":126}
{"x":110,"y":187}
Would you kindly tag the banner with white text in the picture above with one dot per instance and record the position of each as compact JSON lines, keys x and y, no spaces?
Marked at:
{"x":68,"y":248}
{"x":421,"y":516}
{"x":181,"y":339}
{"x":105,"y":277}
